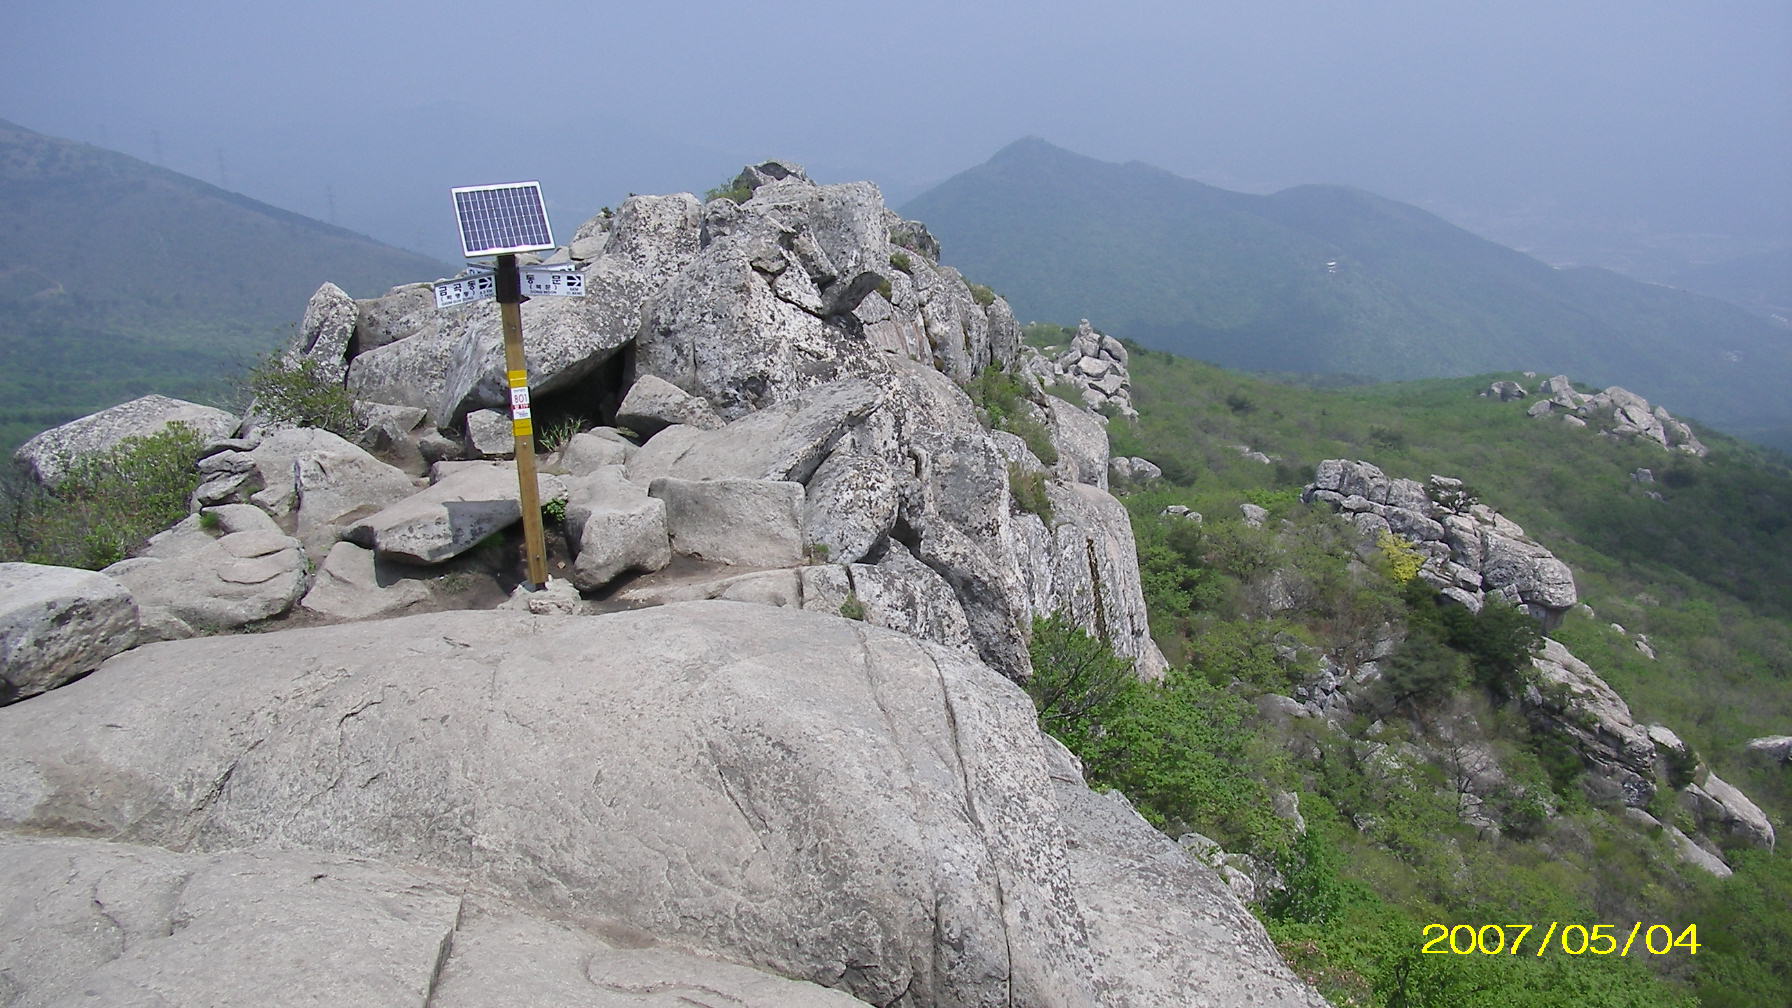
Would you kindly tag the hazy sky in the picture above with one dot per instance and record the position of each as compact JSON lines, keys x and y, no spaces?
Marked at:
{"x":1570,"y":126}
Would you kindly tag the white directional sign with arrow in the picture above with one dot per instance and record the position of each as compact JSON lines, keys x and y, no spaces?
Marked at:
{"x":478,"y":283}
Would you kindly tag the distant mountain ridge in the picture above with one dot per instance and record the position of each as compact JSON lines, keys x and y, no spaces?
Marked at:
{"x":119,"y":278}
{"x":1326,"y":279}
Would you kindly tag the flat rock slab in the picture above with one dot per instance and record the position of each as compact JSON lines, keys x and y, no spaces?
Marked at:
{"x":57,"y":623}
{"x":127,"y":924}
{"x":472,"y":500}
{"x":810,"y":796}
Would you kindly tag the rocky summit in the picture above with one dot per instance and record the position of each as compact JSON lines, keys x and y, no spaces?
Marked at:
{"x":760,"y":742}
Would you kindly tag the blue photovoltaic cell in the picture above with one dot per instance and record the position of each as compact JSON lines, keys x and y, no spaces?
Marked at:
{"x":506,"y":218}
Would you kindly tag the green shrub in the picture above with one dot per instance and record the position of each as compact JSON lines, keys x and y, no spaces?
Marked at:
{"x":901,"y":261}
{"x":293,"y":391}
{"x":729,"y":191}
{"x":1312,"y":891}
{"x":984,"y":296}
{"x":1067,"y":390}
{"x":1038,"y":439}
{"x":107,"y":504}
{"x":1077,"y":680}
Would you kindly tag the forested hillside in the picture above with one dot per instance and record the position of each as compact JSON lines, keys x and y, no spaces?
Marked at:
{"x":1268,"y":616}
{"x":1323,"y":279}
{"x":118,"y":278}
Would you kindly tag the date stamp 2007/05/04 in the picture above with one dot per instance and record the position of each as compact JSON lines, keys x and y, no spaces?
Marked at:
{"x":1569,"y":939}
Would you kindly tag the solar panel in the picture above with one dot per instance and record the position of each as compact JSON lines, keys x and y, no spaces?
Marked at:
{"x":496,"y":219}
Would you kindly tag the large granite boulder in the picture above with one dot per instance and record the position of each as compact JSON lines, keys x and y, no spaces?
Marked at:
{"x":757,"y":523}
{"x":653,"y":404}
{"x":614,"y":527}
{"x":325,"y":331}
{"x":808,"y":796}
{"x":57,"y":623}
{"x":47,"y":456}
{"x":222,"y":568}
{"x":351,"y":585}
{"x":472,"y":500}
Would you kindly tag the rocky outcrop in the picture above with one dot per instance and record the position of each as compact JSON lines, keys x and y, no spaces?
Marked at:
{"x":1095,"y":364}
{"x":825,"y":802}
{"x":310,"y":477}
{"x":1629,"y":763}
{"x":48,"y":456}
{"x":58,"y":623}
{"x":1472,"y":552}
{"x":1579,"y":706}
{"x":1773,"y":750}
{"x":1616,"y":411}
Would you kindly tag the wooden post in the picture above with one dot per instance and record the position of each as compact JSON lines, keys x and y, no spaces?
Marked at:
{"x":509,"y":283}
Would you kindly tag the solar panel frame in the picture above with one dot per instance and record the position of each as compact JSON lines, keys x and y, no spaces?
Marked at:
{"x":501,"y":219}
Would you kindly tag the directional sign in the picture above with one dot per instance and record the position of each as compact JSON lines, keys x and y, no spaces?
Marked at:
{"x":561,"y":281}
{"x":460,"y":290}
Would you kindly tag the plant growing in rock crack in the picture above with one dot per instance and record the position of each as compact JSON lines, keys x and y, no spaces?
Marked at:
{"x":556,"y":434}
{"x":1029,"y":492}
{"x":852,"y":608}
{"x":901,"y":261}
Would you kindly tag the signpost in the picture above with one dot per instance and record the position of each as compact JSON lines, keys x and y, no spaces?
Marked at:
{"x":502,"y":221}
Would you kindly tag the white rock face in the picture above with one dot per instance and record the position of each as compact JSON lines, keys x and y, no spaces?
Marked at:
{"x":47,"y":456}
{"x":118,"y":922}
{"x":57,"y":623}
{"x":859,"y":810}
